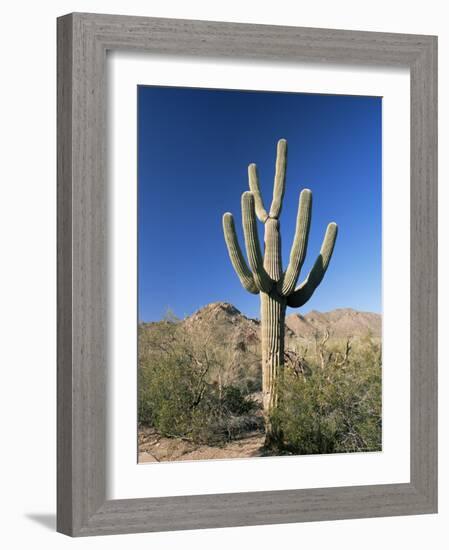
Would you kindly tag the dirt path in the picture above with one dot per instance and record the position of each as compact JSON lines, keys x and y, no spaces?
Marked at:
{"x":155,"y":448}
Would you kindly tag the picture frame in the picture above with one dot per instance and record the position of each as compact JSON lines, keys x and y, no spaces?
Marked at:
{"x":82,"y":506}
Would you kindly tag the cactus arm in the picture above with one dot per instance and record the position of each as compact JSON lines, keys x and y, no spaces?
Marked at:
{"x":299,"y":248}
{"x":279,"y":179}
{"x":236,"y":256}
{"x":304,"y":292}
{"x":254,"y":187}
{"x":261,"y":278}
{"x":272,"y":260}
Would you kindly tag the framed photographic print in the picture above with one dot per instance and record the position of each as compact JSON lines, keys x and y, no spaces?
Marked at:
{"x":246,"y":274}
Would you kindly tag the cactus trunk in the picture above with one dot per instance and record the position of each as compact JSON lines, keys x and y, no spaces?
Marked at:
{"x":273,"y":327}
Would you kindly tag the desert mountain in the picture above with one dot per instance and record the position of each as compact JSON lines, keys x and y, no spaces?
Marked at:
{"x":340,"y":323}
{"x":223,"y":319}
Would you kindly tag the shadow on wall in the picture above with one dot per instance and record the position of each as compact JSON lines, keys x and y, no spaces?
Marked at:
{"x":46,"y":520}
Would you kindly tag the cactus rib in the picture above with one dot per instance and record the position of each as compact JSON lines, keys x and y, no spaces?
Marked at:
{"x":253,"y":179}
{"x":272,"y":260}
{"x":261,"y":278}
{"x":299,"y":247}
{"x":279,"y":179}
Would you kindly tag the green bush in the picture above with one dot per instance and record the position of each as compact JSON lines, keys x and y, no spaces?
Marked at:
{"x":233,"y":401}
{"x":166,"y":396}
{"x":178,"y":400}
{"x":333,"y":409}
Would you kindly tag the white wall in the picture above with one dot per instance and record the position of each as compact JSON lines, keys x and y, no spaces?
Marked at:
{"x":27,"y":300}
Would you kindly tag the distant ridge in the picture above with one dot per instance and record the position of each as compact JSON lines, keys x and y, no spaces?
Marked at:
{"x":341,"y":323}
{"x":221,"y":317}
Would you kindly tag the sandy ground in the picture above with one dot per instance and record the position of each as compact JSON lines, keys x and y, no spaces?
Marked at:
{"x":155,"y":448}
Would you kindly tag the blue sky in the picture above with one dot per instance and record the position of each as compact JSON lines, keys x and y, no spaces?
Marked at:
{"x":194,"y":147}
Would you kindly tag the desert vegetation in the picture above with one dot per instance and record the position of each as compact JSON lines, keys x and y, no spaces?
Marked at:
{"x":332,"y":402}
{"x":196,"y":382}
{"x":200,"y":385}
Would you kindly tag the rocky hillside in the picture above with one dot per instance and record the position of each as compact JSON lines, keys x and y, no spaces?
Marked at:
{"x":221,"y":320}
{"x":224,"y":318}
{"x":340,"y":323}
{"x":217,"y":334}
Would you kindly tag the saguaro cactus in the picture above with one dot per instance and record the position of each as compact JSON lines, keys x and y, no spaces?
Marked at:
{"x":265,"y":274}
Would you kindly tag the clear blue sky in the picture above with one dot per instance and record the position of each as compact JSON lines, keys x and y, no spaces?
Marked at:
{"x":194,"y":146}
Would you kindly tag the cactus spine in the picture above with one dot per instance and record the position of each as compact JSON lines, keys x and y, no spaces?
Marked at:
{"x":265,"y":275}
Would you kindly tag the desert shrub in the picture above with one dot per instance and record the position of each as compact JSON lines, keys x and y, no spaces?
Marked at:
{"x":333,"y":409}
{"x":179,"y":393}
{"x":251,"y":384}
{"x":202,"y":387}
{"x":166,"y":395}
{"x":233,"y":401}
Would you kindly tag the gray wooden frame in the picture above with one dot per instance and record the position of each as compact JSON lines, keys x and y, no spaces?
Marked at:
{"x":83,"y":40}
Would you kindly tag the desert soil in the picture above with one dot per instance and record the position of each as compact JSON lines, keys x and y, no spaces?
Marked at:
{"x":155,"y":448}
